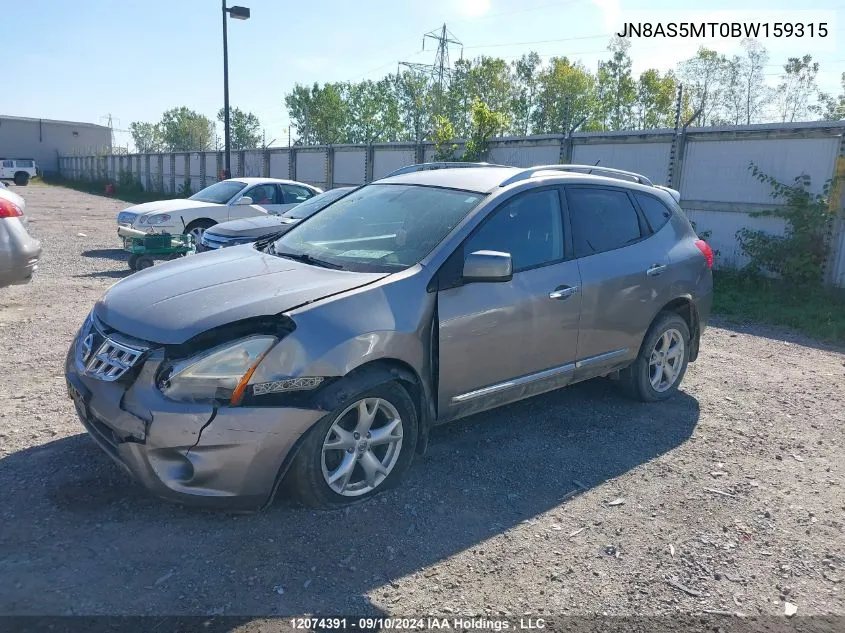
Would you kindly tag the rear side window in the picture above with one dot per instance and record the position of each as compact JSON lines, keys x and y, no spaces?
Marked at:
{"x":602,"y":220}
{"x":25,"y":163}
{"x":655,"y":211}
{"x":295,"y":194}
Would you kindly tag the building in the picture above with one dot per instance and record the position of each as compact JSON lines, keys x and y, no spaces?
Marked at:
{"x":44,"y":140}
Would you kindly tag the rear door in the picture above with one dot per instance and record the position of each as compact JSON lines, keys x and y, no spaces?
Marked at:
{"x":502,"y":341}
{"x":292,"y":195}
{"x":623,"y":267}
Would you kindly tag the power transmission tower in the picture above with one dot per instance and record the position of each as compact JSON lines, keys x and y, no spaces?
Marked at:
{"x":440,"y":71}
{"x":110,"y":125}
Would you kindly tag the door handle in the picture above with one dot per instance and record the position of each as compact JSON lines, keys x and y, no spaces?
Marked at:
{"x":563,"y":292}
{"x":655,"y":270}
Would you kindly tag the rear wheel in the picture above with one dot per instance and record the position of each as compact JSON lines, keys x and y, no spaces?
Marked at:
{"x":662,"y":362}
{"x":197,"y":228}
{"x":21,"y":178}
{"x":144,"y":261}
{"x":356,"y":451}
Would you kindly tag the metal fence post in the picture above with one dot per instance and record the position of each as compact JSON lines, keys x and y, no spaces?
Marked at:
{"x":836,"y":235}
{"x":202,"y":170}
{"x":241,"y":163}
{"x":149,"y":183}
{"x":266,"y":163}
{"x":329,"y":167}
{"x":369,"y":159}
{"x":292,"y":164}
{"x":172,"y":182}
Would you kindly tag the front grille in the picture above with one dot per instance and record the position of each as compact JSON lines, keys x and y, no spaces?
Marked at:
{"x":213,"y":242}
{"x":104,"y":358}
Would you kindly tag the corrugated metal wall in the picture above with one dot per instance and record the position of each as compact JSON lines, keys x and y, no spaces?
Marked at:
{"x":719,"y":192}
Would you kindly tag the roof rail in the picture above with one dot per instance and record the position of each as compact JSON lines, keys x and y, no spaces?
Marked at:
{"x":588,"y":169}
{"x":438,"y":165}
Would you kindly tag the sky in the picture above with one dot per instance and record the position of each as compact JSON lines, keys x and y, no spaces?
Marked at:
{"x":88,"y":59}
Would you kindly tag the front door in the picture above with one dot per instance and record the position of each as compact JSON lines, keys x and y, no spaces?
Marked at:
{"x":502,"y":341}
{"x":623,"y":272}
{"x":7,"y":169}
{"x":266,"y":198}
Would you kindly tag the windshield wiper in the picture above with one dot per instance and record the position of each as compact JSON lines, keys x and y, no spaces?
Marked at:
{"x":308,"y":259}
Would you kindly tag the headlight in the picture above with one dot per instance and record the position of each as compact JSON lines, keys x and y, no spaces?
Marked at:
{"x":222,"y":373}
{"x":154,"y":219}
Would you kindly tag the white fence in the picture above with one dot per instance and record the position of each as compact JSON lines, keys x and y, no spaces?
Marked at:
{"x":709,"y":166}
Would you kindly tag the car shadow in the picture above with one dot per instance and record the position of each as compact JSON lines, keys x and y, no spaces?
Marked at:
{"x":110,"y":274}
{"x":80,"y":536}
{"x":113,"y":254}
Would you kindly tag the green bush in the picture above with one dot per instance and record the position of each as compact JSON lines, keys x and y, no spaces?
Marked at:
{"x":800,"y":254}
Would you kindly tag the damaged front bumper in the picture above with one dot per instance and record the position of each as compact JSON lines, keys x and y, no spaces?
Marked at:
{"x":230,"y":457}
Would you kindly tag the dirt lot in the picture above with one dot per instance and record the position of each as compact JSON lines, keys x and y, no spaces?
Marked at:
{"x":727,"y":498}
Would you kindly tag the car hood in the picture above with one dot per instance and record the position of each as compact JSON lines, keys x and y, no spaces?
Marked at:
{"x":173,"y":302}
{"x":169,"y":206}
{"x":252,"y":227}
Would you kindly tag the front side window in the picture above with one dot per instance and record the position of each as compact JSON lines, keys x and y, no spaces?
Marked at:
{"x":8,"y":163}
{"x":602,"y":220}
{"x":528,"y":227}
{"x":219,"y":192}
{"x":264,"y":194}
{"x":378,"y":228}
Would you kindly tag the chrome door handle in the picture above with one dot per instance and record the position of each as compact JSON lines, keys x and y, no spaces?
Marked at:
{"x":563,"y":292}
{"x":655,"y":270}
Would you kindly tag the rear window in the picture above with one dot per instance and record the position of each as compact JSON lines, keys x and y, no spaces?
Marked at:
{"x":654,"y":210}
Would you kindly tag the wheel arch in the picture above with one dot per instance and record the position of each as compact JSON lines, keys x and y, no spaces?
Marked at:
{"x":684,"y":307}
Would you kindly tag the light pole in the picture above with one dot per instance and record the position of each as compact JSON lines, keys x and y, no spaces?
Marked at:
{"x":237,"y":13}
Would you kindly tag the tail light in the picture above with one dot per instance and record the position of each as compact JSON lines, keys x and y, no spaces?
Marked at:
{"x":9,"y":209}
{"x":705,"y":249}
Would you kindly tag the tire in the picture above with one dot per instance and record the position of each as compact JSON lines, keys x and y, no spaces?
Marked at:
{"x":640,"y":380}
{"x":22,"y":179}
{"x":133,"y":262}
{"x":197,"y":228}
{"x":144,"y":261}
{"x":307,"y":481}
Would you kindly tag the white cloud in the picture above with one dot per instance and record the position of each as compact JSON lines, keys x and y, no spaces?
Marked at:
{"x":611,"y":12}
{"x":474,"y":8}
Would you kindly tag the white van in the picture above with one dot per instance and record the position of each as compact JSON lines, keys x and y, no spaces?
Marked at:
{"x":18,"y":170}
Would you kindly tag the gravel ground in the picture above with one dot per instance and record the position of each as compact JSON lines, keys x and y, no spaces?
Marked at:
{"x":727,"y":498}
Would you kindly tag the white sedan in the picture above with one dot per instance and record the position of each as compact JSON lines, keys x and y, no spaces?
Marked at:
{"x":226,"y":200}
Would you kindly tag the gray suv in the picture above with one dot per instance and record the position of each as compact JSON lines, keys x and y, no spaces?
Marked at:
{"x":319,"y":361}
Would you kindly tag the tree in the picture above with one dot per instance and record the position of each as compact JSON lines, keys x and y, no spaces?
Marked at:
{"x":373,"y":111}
{"x":146,"y":137}
{"x":757,"y":94}
{"x":734,"y":90}
{"x":655,"y":107}
{"x":833,"y":108}
{"x":485,"y":124}
{"x":566,"y":94}
{"x":183,"y":130}
{"x":413,"y":91}
{"x":796,"y":88}
{"x":487,"y":79}
{"x":244,"y":128}
{"x":320,"y":114}
{"x":617,"y":91}
{"x":443,"y":135}
{"x":702,"y":77}
{"x":524,"y":93}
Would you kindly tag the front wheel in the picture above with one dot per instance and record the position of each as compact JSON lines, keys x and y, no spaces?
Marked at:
{"x":22,"y":179}
{"x":662,"y":361}
{"x":196,"y":228}
{"x":356,"y":451}
{"x":144,"y":261}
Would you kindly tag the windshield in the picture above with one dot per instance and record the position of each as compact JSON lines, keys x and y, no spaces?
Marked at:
{"x":219,"y":192}
{"x":378,"y":228}
{"x":310,"y":207}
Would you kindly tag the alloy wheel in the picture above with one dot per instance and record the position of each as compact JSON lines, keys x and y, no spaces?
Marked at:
{"x":666,"y":360}
{"x":361,"y":447}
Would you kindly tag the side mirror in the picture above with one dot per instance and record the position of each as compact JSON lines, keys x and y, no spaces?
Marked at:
{"x":489,"y":266}
{"x":243,"y":200}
